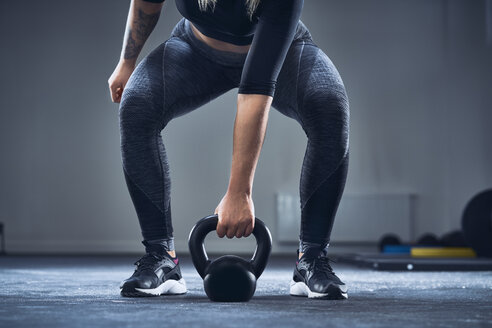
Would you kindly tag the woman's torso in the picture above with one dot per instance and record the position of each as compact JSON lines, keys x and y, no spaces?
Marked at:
{"x":228,"y":27}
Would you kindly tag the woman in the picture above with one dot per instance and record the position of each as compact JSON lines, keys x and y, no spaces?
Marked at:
{"x":263,"y":49}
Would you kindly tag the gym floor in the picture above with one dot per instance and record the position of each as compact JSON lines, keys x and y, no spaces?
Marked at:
{"x":82,"y":291}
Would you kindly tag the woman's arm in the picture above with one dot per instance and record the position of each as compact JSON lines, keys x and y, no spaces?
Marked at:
{"x":249,"y":133}
{"x":273,"y":36}
{"x":236,"y":210}
{"x":142,"y":18}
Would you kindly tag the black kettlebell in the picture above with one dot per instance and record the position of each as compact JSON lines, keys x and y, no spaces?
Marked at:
{"x":428,"y":239}
{"x":388,"y":239}
{"x":229,"y":278}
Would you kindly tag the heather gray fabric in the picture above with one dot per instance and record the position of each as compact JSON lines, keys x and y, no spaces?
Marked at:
{"x":184,"y":73}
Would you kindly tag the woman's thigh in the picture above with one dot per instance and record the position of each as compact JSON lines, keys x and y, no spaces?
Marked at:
{"x":171,"y":81}
{"x":310,"y":89}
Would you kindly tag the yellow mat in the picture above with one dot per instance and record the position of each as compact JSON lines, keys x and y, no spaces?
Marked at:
{"x":442,"y":252}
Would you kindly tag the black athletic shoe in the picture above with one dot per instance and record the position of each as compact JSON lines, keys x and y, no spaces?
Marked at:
{"x":314,"y":278}
{"x":155,"y":275}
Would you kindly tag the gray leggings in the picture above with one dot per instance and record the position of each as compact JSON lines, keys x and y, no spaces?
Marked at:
{"x":184,"y":73}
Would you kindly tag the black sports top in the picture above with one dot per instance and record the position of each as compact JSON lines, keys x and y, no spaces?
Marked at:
{"x":270,"y":33}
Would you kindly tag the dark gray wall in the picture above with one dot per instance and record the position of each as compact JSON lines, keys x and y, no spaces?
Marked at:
{"x":418,"y":74}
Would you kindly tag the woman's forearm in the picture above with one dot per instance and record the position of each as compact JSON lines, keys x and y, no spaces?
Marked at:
{"x":249,"y":133}
{"x":142,"y":18}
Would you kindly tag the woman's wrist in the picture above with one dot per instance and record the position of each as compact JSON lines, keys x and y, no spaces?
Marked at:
{"x":239,"y":191}
{"x":240,"y":181}
{"x":128,"y":63}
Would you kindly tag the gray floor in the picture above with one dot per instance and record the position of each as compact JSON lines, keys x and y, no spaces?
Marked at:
{"x":83,"y":291}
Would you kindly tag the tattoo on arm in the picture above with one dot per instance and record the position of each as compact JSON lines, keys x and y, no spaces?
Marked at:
{"x":143,"y":25}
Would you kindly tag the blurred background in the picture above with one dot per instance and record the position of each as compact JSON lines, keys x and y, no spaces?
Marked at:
{"x":419,"y":78}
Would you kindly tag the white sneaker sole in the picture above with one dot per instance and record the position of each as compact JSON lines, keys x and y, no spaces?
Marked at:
{"x":168,"y":287}
{"x":301,"y":289}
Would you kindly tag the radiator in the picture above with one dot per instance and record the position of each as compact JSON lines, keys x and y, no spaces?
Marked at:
{"x":361,"y":218}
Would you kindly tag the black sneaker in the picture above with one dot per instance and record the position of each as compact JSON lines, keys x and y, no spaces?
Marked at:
{"x":155,"y":275}
{"x":314,"y":278}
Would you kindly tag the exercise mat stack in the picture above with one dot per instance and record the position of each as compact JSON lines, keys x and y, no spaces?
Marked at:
{"x":468,"y":249}
{"x":452,"y":244}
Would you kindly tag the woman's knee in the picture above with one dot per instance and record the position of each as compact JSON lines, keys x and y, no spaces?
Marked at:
{"x":141,"y":105}
{"x":326,"y":116}
{"x":134,"y":108}
{"x":139,"y":127}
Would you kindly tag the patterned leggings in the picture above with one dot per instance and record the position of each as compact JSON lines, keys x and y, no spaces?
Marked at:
{"x":184,"y":73}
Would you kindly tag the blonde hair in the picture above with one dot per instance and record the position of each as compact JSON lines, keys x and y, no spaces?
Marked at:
{"x":251,"y":5}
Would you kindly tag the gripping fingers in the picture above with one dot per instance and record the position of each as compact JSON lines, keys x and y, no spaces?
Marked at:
{"x":221,"y":231}
{"x":231,"y":231}
{"x":249,"y":230}
{"x":240,"y":230}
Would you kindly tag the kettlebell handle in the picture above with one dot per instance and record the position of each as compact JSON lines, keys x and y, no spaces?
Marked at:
{"x":209,"y":223}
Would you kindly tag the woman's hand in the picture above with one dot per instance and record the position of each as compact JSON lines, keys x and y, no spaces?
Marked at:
{"x":141,"y":20}
{"x":118,"y":79}
{"x":236,"y":215}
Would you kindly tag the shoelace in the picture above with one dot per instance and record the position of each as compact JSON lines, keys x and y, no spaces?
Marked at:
{"x":147,"y":261}
{"x":322,"y":263}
